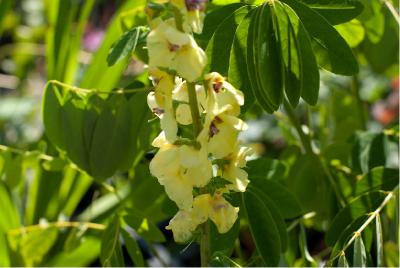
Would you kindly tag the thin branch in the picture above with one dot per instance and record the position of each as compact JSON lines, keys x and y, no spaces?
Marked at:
{"x":307,"y":145}
{"x":22,"y":152}
{"x":96,"y":91}
{"x":392,"y":10}
{"x":60,"y":224}
{"x":372,"y":216}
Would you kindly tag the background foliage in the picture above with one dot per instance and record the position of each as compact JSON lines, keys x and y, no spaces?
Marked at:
{"x":321,"y":102}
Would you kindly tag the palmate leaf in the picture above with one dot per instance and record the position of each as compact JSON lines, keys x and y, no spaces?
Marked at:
{"x":331,"y":50}
{"x":280,"y":59}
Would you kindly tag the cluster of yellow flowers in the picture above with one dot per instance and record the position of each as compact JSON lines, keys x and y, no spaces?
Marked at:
{"x":176,"y":64}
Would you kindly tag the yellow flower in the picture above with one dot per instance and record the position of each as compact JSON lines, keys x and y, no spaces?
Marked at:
{"x":205,"y":206}
{"x":160,"y":102}
{"x":180,"y":94}
{"x":179,"y":169}
{"x":223,"y":93}
{"x":182,"y":226}
{"x":220,"y":132}
{"x":222,"y":213}
{"x":170,"y":48}
{"x":233,"y":171}
{"x":193,"y":14}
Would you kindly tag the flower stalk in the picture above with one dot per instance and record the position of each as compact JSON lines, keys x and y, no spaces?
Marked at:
{"x":194,"y":110}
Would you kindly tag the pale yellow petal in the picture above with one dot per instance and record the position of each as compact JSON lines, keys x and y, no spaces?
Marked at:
{"x":223,"y":214}
{"x":190,"y":61}
{"x":182,"y":226}
{"x":201,"y":208}
{"x":179,"y":190}
{"x":165,"y":162}
{"x":183,"y":114}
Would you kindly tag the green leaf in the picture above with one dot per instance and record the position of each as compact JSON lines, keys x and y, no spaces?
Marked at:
{"x":347,"y":233}
{"x":332,"y":51}
{"x":111,"y":252}
{"x":369,"y":150}
{"x":373,"y":20}
{"x":9,"y":219}
{"x":81,"y":256}
{"x":309,"y":73}
{"x":378,"y":178}
{"x":353,"y":32}
{"x":219,"y":47}
{"x":308,"y":182}
{"x":275,"y":211}
{"x":267,"y":57}
{"x":73,"y":115}
{"x":110,"y":133}
{"x":52,"y":115}
{"x":126,"y":45}
{"x":139,"y":114}
{"x":132,"y":248}
{"x":30,"y":249}
{"x":284,"y":200}
{"x":74,"y":238}
{"x":143,"y":226}
{"x":359,"y":254}
{"x":342,"y":262}
{"x":98,"y":64}
{"x":223,"y":243}
{"x":266,"y":168}
{"x":237,"y":73}
{"x":214,"y":19}
{"x":362,"y":205}
{"x":383,"y":55}
{"x":251,"y":27}
{"x":379,"y":241}
{"x":265,"y":235}
{"x":13,"y":169}
{"x":290,"y":56}
{"x":337,"y":11}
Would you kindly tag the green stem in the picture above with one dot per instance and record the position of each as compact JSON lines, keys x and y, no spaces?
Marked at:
{"x":205,"y":245}
{"x":96,"y":91}
{"x":306,"y":142}
{"x":360,"y":106}
{"x":194,"y":109}
{"x":305,"y":139}
{"x":178,"y":18}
